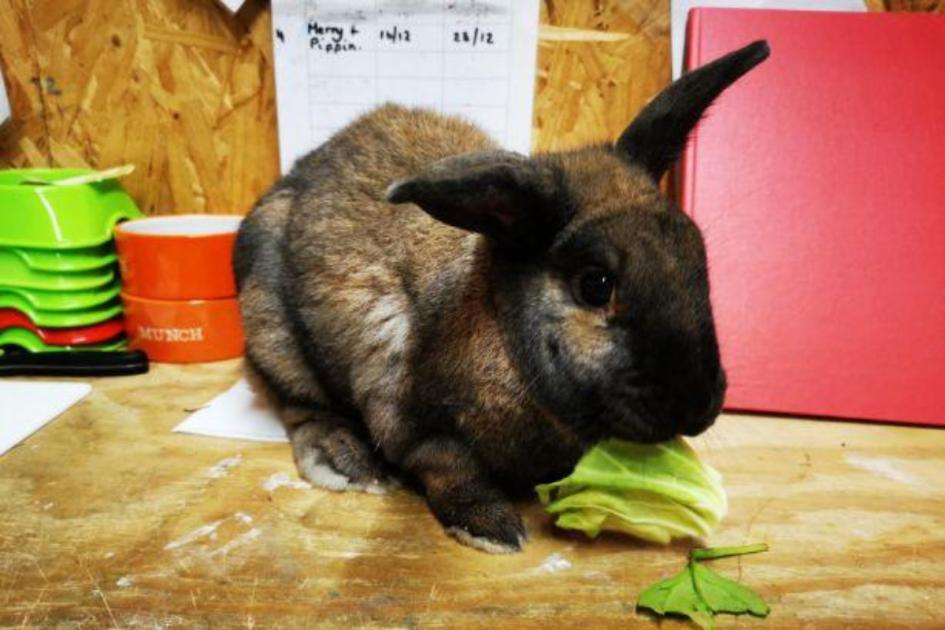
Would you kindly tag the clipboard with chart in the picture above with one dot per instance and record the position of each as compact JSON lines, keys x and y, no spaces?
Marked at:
{"x":337,"y":60}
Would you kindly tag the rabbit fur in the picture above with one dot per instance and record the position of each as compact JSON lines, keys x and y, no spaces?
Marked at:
{"x":417,"y":300}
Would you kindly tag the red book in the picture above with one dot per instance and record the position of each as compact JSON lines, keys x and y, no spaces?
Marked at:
{"x":819,"y":182}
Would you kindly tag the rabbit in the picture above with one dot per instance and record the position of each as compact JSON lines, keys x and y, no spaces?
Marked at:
{"x":417,"y":300}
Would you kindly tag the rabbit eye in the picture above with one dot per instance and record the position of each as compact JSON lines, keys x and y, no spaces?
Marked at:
{"x":595,"y":288}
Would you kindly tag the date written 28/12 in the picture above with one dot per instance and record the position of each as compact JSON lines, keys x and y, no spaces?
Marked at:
{"x":474,"y":37}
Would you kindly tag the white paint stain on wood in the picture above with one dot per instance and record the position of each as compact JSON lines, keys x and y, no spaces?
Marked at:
{"x":212,"y":531}
{"x":222,"y":468}
{"x":201,"y":532}
{"x":239,"y":541}
{"x":554,"y":563}
{"x":598,"y":575}
{"x":885,"y":468}
{"x":278,"y":480}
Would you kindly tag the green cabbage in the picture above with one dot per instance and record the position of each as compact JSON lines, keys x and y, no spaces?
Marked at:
{"x":656,"y":492}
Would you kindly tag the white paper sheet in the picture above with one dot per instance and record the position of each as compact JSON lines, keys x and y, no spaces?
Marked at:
{"x":337,"y":59}
{"x":233,"y":5}
{"x":680,"y":13}
{"x":4,"y":102}
{"x":236,"y":413}
{"x":25,"y":406}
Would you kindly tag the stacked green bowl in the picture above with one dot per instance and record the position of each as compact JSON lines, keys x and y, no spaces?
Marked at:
{"x":58,"y":267}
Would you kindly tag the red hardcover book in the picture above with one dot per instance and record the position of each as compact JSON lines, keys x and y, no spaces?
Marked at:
{"x":819,"y":182}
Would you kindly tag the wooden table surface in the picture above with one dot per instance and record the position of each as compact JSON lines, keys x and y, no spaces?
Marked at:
{"x":107,"y":519}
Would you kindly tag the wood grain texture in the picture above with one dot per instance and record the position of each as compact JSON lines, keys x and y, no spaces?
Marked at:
{"x":599,"y":63}
{"x":107,"y":519}
{"x":185,"y":90}
{"x":925,"y":6}
{"x":180,"y":88}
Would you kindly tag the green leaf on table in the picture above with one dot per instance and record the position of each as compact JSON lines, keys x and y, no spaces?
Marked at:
{"x":677,"y":596}
{"x":700,"y":593}
{"x":712,"y":553}
{"x":723,"y":595}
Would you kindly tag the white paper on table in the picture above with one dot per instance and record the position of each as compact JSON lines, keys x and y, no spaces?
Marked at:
{"x":337,"y":59}
{"x":238,"y":413}
{"x":25,"y":406}
{"x":4,"y":102}
{"x":233,"y":5}
{"x":680,"y":14}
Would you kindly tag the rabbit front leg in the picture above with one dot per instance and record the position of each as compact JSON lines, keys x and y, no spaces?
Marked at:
{"x":329,"y":453}
{"x":463,"y":498}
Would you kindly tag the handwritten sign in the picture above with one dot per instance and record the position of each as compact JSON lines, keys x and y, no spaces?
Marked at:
{"x":337,"y":60}
{"x":4,"y":103}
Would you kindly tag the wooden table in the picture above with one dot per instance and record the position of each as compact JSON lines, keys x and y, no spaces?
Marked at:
{"x":107,"y":519}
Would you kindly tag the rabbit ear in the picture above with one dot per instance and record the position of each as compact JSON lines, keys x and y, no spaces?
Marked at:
{"x":658,"y":134}
{"x":501,"y":194}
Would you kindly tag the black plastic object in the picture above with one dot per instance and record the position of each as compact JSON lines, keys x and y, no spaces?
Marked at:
{"x":74,"y":363}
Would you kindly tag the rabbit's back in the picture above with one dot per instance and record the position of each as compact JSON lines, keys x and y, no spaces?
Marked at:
{"x":335,"y":280}
{"x":341,"y":211}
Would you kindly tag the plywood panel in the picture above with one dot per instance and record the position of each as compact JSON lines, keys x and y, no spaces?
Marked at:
{"x":185,"y":90}
{"x":179,"y":87}
{"x":598,"y":64}
{"x":928,"y":6}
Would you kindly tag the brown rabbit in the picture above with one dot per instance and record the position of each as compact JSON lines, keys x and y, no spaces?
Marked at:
{"x":416,"y":298}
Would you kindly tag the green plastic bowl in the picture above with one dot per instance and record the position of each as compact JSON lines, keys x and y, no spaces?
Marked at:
{"x":66,"y":301}
{"x":62,"y":261}
{"x":16,"y":275}
{"x":29,"y":341}
{"x":61,"y":319}
{"x":60,"y":217}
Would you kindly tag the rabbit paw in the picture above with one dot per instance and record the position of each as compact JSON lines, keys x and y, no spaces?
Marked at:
{"x":337,"y":460}
{"x":316,"y":469}
{"x":491,"y":527}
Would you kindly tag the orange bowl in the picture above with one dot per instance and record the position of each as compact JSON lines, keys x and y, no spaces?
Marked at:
{"x":182,"y":257}
{"x":186,"y":331}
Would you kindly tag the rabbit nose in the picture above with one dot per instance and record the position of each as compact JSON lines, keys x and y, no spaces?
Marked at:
{"x":699,"y":422}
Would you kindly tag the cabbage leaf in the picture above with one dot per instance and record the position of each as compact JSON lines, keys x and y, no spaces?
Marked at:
{"x":655,"y":492}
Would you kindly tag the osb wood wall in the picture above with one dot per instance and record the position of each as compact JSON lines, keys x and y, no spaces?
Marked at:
{"x":185,"y":90}
{"x":180,"y":88}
